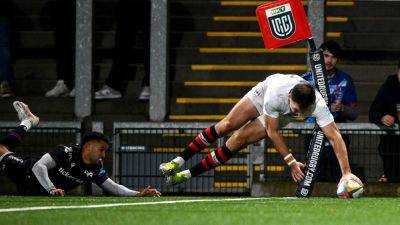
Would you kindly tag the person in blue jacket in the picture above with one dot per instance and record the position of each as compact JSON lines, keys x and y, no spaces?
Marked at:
{"x":343,"y":100}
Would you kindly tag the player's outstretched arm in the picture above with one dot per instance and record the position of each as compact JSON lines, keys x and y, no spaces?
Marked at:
{"x":272,"y":128}
{"x":40,"y":170}
{"x":120,"y":190}
{"x":333,"y":135}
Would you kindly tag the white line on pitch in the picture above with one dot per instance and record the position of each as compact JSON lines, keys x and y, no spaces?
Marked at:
{"x":36,"y":208}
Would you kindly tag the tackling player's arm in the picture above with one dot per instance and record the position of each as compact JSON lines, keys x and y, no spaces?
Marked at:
{"x":272,"y":128}
{"x":120,"y":190}
{"x":40,"y":170}
{"x":333,"y":135}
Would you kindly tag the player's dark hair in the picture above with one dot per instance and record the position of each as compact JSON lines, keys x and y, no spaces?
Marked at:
{"x":333,"y":47}
{"x":303,"y":94}
{"x":94,"y":136}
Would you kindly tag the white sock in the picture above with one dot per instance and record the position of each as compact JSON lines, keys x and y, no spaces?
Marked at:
{"x":179,"y":160}
{"x":27,"y":124}
{"x":187,"y":174}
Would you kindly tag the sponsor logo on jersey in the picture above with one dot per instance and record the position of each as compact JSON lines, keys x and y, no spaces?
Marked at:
{"x":88,"y":173}
{"x":68,"y":150}
{"x":102,"y":172}
{"x":67,"y":175}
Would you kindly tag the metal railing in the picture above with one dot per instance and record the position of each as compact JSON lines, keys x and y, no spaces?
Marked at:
{"x":45,"y":137}
{"x":362,"y":140}
{"x":39,"y":141}
{"x":139,"y":148}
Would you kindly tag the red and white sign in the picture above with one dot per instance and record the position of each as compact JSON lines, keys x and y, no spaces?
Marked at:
{"x":282,"y":22}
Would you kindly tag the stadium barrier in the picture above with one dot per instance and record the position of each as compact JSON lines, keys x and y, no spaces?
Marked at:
{"x":139,"y":149}
{"x":362,"y":140}
{"x":40,"y":140}
{"x":46,"y":137}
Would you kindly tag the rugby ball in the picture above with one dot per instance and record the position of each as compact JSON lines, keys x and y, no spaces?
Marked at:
{"x":349,"y":189}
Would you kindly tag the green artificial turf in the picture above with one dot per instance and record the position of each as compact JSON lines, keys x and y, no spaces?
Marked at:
{"x":261,"y":211}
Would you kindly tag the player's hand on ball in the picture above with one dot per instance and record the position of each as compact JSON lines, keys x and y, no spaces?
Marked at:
{"x":57,"y":192}
{"x":350,"y":186}
{"x":149,"y":192}
{"x":350,"y":176}
{"x":296,"y":171}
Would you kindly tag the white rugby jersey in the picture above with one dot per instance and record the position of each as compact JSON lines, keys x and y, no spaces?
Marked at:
{"x":276,"y":100}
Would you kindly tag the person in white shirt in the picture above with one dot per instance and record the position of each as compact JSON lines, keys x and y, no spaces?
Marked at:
{"x":268,"y":106}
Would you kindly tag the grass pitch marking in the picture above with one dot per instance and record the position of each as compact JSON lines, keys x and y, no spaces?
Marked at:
{"x":37,"y":208}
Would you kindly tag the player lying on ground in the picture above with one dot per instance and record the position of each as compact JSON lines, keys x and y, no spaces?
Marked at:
{"x":269,"y":105}
{"x":61,"y":169}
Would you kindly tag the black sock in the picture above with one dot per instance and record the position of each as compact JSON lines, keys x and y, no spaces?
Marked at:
{"x":13,"y":138}
{"x":218,"y":157}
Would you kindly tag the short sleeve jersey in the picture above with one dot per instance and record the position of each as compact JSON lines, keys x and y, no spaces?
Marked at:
{"x":276,"y":100}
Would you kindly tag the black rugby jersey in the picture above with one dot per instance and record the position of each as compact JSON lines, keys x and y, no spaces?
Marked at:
{"x":70,"y":171}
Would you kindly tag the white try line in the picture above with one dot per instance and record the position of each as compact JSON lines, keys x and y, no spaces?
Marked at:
{"x":36,"y":208}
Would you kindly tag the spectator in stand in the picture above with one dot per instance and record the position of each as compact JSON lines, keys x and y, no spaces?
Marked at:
{"x":132,"y":17}
{"x":129,"y":20}
{"x":385,"y":110}
{"x":6,"y":74}
{"x":343,"y":99}
{"x":62,"y":22}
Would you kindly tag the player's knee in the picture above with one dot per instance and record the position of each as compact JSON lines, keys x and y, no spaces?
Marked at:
{"x":239,"y":139}
{"x":226,"y":126}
